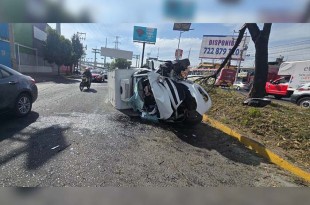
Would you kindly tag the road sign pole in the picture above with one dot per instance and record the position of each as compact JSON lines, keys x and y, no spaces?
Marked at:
{"x":142,"y":54}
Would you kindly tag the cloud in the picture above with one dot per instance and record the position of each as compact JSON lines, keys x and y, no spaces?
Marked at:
{"x":289,"y":31}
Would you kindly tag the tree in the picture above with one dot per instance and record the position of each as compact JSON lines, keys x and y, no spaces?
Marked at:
{"x":260,"y":39}
{"x":77,"y":49}
{"x":57,"y":49}
{"x":120,"y":63}
{"x":66,"y":52}
{"x":108,"y":66}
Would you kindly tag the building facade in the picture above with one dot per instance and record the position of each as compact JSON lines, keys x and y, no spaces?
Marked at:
{"x":5,"y":51}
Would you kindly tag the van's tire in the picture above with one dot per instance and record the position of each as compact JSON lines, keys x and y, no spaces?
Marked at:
{"x":23,"y":105}
{"x":278,"y":97}
{"x":304,"y":102}
{"x":192,"y":118}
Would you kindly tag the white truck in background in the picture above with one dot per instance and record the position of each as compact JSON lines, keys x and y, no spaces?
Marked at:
{"x":293,"y":75}
{"x":299,"y":72}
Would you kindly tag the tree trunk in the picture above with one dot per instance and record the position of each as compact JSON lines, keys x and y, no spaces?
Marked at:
{"x":260,"y":39}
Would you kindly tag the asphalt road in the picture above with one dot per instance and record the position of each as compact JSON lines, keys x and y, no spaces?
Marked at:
{"x":75,"y":138}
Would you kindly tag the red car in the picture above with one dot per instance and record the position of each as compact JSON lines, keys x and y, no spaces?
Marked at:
{"x":278,"y":88}
{"x":97,"y":75}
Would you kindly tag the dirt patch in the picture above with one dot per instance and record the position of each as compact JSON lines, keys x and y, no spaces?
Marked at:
{"x":281,"y":127}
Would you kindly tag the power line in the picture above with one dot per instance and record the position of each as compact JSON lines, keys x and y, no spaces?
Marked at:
{"x":291,"y":43}
{"x":284,"y":51}
{"x":281,"y":47}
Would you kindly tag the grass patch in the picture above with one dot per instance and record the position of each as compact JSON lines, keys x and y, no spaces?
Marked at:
{"x":254,"y":112}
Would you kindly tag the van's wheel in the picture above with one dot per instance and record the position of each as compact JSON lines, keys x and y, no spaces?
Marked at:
{"x":304,"y":102}
{"x":23,"y":105}
{"x":192,"y":118}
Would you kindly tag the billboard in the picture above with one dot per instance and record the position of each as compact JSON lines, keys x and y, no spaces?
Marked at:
{"x":144,"y":34}
{"x":4,"y":31}
{"x":181,"y":26}
{"x":116,"y":53}
{"x":217,"y":47}
{"x":39,"y":34}
{"x":5,"y":53}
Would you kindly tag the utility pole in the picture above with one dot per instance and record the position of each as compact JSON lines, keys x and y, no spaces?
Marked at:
{"x":189,"y":53}
{"x":137,"y":58}
{"x":82,"y":37}
{"x":158,"y":54}
{"x":105,"y":58}
{"x":58,"y":28}
{"x":116,"y":42}
{"x":95,"y":50}
{"x":12,"y":46}
{"x":241,"y":54}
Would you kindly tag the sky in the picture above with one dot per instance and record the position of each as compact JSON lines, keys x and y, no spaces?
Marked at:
{"x":291,"y":40}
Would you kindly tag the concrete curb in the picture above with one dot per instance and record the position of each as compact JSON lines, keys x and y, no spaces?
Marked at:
{"x":259,"y":148}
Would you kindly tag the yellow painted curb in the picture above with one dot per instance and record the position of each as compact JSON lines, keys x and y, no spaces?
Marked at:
{"x":259,"y":148}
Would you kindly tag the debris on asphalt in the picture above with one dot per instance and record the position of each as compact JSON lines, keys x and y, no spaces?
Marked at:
{"x":55,"y":147}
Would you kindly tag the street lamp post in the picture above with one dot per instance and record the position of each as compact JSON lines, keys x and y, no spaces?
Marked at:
{"x":180,"y":38}
{"x":182,"y":27}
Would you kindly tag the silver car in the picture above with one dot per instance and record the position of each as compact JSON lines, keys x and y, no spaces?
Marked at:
{"x":239,"y":85}
{"x":17,"y":92}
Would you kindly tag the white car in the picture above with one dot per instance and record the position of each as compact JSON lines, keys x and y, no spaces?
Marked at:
{"x":194,"y":77}
{"x":301,"y":96}
{"x":239,"y":85}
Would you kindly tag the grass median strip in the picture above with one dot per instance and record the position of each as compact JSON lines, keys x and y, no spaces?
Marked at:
{"x":283,"y":127}
{"x":259,"y":148}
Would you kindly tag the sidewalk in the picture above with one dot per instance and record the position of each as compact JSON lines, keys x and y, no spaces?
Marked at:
{"x":51,"y":77}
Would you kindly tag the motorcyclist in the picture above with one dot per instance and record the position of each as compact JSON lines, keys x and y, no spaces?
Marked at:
{"x":88,"y":75}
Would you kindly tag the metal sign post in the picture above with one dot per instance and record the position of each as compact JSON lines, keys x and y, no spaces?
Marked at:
{"x":142,"y":54}
{"x":182,"y":27}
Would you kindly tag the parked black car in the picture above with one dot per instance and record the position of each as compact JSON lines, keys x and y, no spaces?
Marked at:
{"x":17,"y":92}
